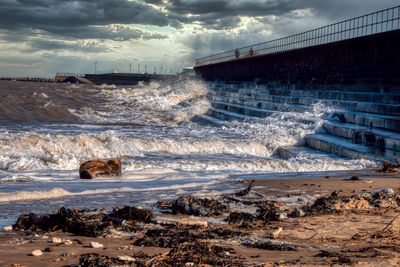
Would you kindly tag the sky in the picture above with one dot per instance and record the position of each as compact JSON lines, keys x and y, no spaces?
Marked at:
{"x":41,"y":37}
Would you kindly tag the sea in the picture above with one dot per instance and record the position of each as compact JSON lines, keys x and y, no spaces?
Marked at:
{"x":48,"y":129}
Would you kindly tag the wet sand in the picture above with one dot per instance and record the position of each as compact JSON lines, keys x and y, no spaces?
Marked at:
{"x":362,"y":237}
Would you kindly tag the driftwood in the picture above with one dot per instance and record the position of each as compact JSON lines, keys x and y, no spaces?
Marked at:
{"x":390,"y":166}
{"x":247,"y":190}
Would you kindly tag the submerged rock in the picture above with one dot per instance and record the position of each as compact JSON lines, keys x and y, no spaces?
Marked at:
{"x":100,"y":168}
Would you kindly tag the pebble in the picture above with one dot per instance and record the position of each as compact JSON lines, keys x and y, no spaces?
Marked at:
{"x":7,"y":228}
{"x":57,"y":260}
{"x":276,"y":232}
{"x":125,"y":258}
{"x":49,"y":249}
{"x":299,"y":212}
{"x":189,"y":264}
{"x":67,"y":242}
{"x":37,"y":252}
{"x":56,"y":240}
{"x":45,"y":237}
{"x":95,"y":244}
{"x":65,"y":255}
{"x":282,"y":216}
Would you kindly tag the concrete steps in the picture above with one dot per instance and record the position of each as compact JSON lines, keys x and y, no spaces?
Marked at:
{"x":242,"y":109}
{"x":391,"y":123}
{"x":303,"y":152}
{"x":385,"y":98}
{"x":364,"y":124}
{"x":364,"y":135}
{"x":260,"y":104}
{"x":346,"y":148}
{"x":208,"y":120}
{"x":255,"y":109}
{"x":370,"y":107}
{"x":227,"y":115}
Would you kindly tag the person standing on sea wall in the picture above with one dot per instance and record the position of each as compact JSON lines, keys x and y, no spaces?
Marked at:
{"x":251,"y":51}
{"x":237,"y":53}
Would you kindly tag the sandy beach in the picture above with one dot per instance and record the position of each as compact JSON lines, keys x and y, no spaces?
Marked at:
{"x":349,"y":232}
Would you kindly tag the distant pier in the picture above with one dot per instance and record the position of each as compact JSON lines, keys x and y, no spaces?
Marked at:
{"x":112,"y":78}
{"x":127,"y":78}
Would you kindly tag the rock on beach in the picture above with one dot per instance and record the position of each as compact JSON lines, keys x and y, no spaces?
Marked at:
{"x":7,"y":228}
{"x":56,"y":240}
{"x":95,"y":244}
{"x":100,"y":168}
{"x":37,"y":253}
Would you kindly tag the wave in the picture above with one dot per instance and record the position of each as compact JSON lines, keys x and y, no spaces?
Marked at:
{"x":60,"y":192}
{"x":154,"y":103}
{"x":22,"y":151}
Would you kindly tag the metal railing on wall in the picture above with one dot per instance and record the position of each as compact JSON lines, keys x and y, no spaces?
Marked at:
{"x":373,"y":23}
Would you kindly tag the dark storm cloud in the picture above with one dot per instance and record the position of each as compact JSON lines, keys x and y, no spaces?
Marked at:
{"x":73,"y":18}
{"x":154,"y":2}
{"x":91,"y":47}
{"x":206,"y":12}
{"x":55,"y":15}
{"x":227,"y":8}
{"x":221,"y":23}
{"x":116,"y":33}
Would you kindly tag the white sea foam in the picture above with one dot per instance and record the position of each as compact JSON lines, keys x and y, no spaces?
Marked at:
{"x":60,"y":192}
{"x":154,"y":103}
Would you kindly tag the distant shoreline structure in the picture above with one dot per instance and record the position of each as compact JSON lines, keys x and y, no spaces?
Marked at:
{"x":98,"y":79}
{"x":106,"y":78}
{"x":28,"y":79}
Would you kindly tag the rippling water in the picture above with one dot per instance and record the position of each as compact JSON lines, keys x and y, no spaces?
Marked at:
{"x":48,"y":129}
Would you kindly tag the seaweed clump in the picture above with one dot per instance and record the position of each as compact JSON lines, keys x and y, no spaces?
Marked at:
{"x":197,"y":206}
{"x":82,"y":222}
